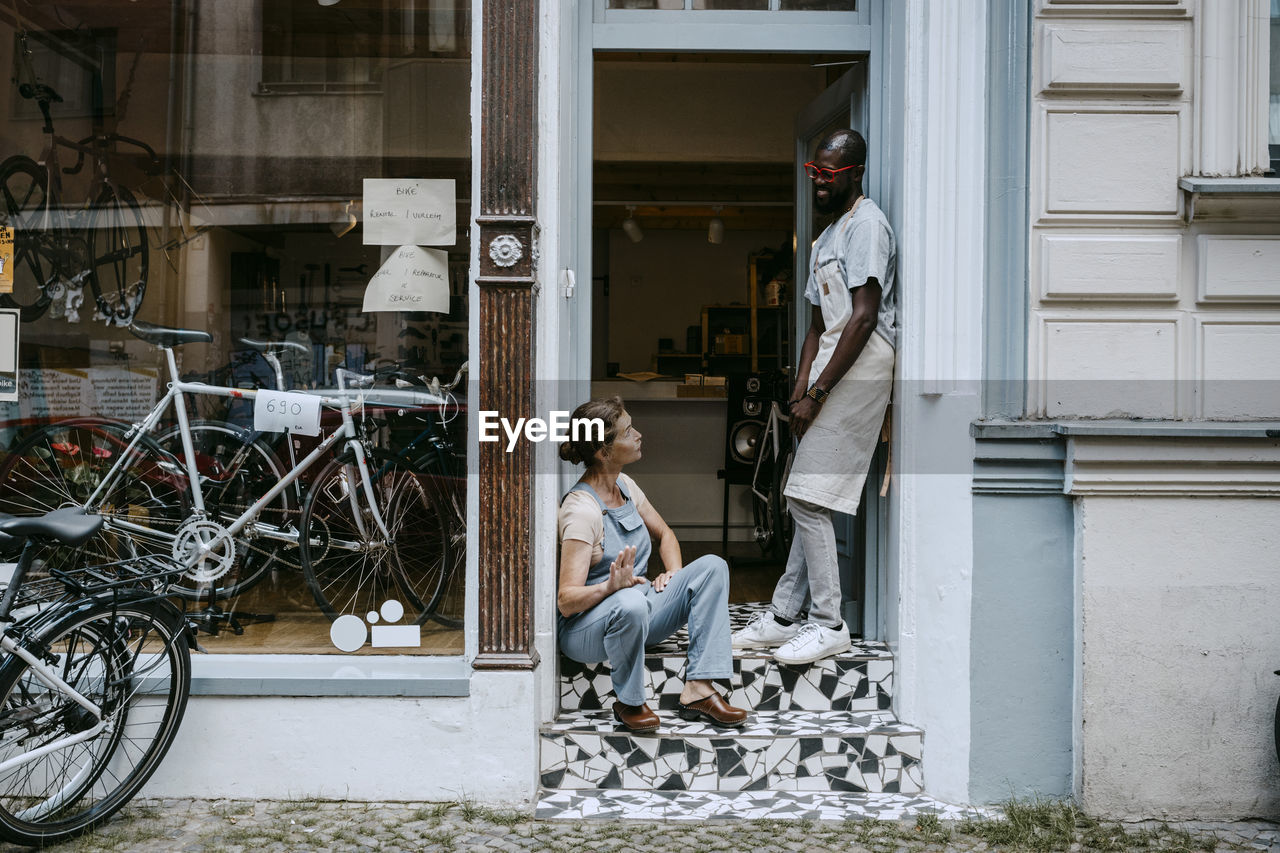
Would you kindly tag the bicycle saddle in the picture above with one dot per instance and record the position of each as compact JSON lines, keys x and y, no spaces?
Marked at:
{"x":39,"y":92}
{"x":267,"y":346}
{"x":69,"y":525}
{"x":163,"y":336}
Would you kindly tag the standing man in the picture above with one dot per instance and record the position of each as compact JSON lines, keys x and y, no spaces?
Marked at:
{"x":838,"y":403}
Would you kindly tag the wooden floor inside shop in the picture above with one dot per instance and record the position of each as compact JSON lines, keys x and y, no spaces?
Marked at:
{"x":299,"y":627}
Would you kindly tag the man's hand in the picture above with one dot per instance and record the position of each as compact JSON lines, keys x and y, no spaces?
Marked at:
{"x":803,"y":413}
{"x":661,"y":581}
{"x":622,"y":571}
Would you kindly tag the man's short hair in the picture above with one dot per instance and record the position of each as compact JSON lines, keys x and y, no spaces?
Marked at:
{"x":848,"y":144}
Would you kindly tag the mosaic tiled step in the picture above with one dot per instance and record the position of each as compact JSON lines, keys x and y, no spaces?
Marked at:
{"x":740,"y":805}
{"x":775,"y":751}
{"x":860,"y":680}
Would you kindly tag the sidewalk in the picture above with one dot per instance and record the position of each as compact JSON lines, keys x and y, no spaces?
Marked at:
{"x":209,"y":826}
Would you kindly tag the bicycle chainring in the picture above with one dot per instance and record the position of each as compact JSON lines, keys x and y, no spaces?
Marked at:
{"x":199,"y":534}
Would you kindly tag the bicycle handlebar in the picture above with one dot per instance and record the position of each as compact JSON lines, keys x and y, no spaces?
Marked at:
{"x":350,"y":377}
{"x":101,"y":140}
{"x":273,"y":346}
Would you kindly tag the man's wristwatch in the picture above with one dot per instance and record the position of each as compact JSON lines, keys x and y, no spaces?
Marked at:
{"x":816,"y":393}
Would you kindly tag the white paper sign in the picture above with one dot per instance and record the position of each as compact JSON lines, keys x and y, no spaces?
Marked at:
{"x":410,"y":211}
{"x":280,"y":411}
{"x":8,"y":354}
{"x":412,"y":279}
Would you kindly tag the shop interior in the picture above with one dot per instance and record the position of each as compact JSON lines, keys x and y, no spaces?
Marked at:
{"x":694,"y":183}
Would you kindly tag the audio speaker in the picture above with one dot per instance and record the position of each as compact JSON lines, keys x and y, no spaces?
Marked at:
{"x":749,"y":399}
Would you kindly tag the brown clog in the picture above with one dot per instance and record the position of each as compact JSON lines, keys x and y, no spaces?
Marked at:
{"x":637,"y":718}
{"x":715,"y":709}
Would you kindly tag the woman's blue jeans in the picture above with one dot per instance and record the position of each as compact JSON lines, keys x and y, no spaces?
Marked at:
{"x":619,"y":628}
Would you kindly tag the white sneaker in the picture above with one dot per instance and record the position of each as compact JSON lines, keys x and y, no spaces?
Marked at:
{"x":814,"y":642}
{"x":763,"y":632}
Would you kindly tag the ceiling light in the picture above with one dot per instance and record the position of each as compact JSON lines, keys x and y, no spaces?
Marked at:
{"x":715,"y":229}
{"x":631,"y":227}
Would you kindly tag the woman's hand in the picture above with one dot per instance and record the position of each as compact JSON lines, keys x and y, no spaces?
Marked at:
{"x":661,"y":581}
{"x":622,"y":571}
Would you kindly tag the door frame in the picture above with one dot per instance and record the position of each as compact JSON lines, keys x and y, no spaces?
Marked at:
{"x":860,"y":538}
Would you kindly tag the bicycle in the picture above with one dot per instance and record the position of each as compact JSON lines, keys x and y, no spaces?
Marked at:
{"x":57,"y":252}
{"x":237,"y":465}
{"x":366,"y":532}
{"x":93,"y":685}
{"x":774,"y":451}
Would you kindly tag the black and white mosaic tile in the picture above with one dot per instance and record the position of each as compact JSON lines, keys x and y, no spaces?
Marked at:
{"x":859,"y":680}
{"x":739,"y":616}
{"x":850,"y":682}
{"x":741,"y":805}
{"x":785,"y":751}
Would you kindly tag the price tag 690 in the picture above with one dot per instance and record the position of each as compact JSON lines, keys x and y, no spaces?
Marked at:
{"x":280,"y":411}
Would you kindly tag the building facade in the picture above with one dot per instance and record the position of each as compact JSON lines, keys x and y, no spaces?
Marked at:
{"x":1069,"y":565}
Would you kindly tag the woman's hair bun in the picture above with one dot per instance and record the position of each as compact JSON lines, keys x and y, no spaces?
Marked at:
{"x":583,"y":450}
{"x":569,"y":453}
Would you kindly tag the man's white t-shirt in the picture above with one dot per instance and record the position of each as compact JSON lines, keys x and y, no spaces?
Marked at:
{"x":854,"y":248}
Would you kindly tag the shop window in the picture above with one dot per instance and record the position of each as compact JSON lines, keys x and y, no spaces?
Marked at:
{"x":201,"y":205}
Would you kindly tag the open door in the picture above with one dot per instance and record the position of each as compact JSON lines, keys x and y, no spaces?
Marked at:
{"x":858,"y":540}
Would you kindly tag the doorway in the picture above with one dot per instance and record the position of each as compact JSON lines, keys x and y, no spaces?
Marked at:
{"x":696,"y":199}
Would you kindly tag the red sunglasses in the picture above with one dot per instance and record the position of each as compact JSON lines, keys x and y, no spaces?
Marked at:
{"x":816,"y":172}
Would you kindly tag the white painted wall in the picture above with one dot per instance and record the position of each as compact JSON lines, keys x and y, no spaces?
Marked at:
{"x":483,"y":746}
{"x":941,"y":278}
{"x":1179,"y":601}
{"x":1133,"y":313}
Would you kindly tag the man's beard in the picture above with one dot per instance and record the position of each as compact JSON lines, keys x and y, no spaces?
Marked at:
{"x":835,"y":201}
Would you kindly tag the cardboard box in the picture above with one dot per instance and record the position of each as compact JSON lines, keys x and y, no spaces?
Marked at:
{"x":727,"y":344}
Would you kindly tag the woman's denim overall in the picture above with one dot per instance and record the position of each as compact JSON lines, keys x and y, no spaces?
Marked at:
{"x":618,"y":628}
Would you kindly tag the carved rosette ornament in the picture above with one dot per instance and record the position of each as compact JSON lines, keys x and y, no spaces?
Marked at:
{"x":506,"y":250}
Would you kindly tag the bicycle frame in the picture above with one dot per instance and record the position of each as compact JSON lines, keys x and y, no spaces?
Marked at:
{"x":772,"y":434}
{"x":49,"y":677}
{"x":176,"y":396}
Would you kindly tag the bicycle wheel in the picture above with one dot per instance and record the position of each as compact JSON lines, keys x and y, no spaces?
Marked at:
{"x":236,"y":469}
{"x":348,"y":566}
{"x":62,"y":464}
{"x":118,"y":255}
{"x":449,"y":492}
{"x":782,"y":523}
{"x":24,"y":191}
{"x":129,"y":657}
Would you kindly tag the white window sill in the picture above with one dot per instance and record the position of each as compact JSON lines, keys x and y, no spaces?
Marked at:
{"x":1231,"y":198}
{"x":329,"y":675}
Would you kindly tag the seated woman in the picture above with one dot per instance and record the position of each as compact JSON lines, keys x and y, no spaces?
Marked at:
{"x":608,"y":610}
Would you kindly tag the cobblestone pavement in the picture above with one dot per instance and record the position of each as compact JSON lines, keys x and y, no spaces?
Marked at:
{"x":208,"y":826}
